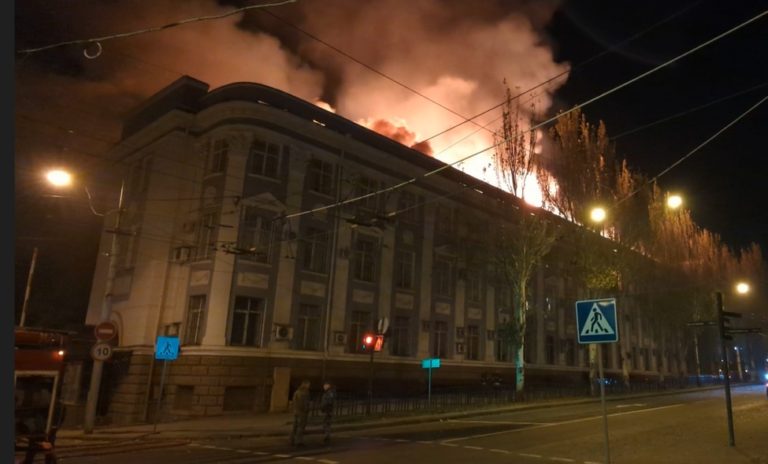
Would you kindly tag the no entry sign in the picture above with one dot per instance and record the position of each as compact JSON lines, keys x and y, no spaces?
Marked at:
{"x":105,"y":331}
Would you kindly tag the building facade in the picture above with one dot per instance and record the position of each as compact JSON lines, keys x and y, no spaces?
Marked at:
{"x":228,"y":241}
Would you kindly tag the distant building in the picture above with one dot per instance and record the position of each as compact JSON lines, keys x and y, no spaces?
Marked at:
{"x":261,"y":302}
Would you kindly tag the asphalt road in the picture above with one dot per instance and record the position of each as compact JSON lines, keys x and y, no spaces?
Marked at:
{"x":682,"y":428}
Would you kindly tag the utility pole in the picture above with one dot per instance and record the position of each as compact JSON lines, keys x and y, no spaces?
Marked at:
{"x":106,"y":311}
{"x":726,"y":370}
{"x":23,"y":317}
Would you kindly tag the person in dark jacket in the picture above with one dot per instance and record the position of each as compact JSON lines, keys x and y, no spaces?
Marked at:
{"x":326,"y":407}
{"x":300,"y":412}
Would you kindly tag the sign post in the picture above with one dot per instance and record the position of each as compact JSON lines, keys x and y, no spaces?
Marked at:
{"x":166,"y":349}
{"x":429,"y":364}
{"x":596,"y":322}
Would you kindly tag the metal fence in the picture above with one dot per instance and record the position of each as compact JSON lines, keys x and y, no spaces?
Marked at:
{"x":458,"y":398}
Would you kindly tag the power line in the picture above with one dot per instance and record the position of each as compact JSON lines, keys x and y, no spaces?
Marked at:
{"x":550,"y":120}
{"x":98,"y":40}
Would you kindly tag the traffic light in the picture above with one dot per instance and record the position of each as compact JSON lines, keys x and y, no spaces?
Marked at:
{"x":368,"y":342}
{"x":725,"y":322}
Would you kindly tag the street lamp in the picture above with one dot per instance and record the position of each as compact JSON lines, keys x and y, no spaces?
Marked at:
{"x":742,"y":288}
{"x":597,"y":214}
{"x":62,"y":178}
{"x":674,"y":201}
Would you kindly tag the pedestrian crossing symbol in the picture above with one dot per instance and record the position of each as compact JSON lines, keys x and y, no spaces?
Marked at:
{"x":596,"y":321}
{"x":167,"y":348}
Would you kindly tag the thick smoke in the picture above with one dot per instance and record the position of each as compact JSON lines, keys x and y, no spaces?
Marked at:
{"x":455,"y":52}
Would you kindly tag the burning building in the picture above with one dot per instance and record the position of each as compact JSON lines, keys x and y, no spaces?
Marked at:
{"x":232,"y":238}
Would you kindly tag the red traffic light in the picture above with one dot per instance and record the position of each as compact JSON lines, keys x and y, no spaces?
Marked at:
{"x":368,"y":340}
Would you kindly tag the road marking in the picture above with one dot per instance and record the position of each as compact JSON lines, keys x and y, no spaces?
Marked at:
{"x":473,"y":447}
{"x":448,"y":444}
{"x":327,"y":461}
{"x":561,"y":459}
{"x":210,"y":447}
{"x":304,"y":458}
{"x":423,"y":442}
{"x":401,"y":440}
{"x":496,"y":422}
{"x":498,"y":451}
{"x":528,"y":455}
{"x":225,"y":449}
{"x":637,"y":405}
{"x":260,"y":453}
{"x":243,"y":451}
{"x":195,"y":444}
{"x":592,"y":462}
{"x":283,"y":456}
{"x":555,"y":424}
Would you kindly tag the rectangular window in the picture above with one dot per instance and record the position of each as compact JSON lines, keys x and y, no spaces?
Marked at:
{"x":442,"y":273}
{"x":264,"y":158}
{"x":247,"y":317}
{"x":503,"y":297}
{"x":365,"y":186}
{"x":315,"y":250}
{"x":439,"y":339}
{"x":364,"y":259}
{"x":359,"y":324}
{"x":320,"y":177}
{"x":217,"y":157}
{"x":472,"y":339}
{"x":193,"y":335}
{"x":307,"y":335}
{"x":474,"y":287}
{"x":443,"y":220}
{"x":256,"y":235}
{"x":407,"y":207}
{"x":205,"y":236}
{"x":404,"y":269}
{"x":400,"y":340}
{"x":549,"y":349}
{"x":570,"y":352}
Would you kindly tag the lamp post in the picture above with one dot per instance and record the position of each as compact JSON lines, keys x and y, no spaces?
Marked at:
{"x":62,"y":178}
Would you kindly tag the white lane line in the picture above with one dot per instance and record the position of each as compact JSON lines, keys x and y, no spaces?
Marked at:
{"x":637,"y":405}
{"x":529,"y":455}
{"x":283,"y":456}
{"x":555,"y":424}
{"x":562,"y":459}
{"x":210,"y":447}
{"x":304,"y":458}
{"x":592,"y":462}
{"x":449,"y":444}
{"x":401,"y":440}
{"x":473,"y":447}
{"x":260,"y":453}
{"x":327,"y":461}
{"x":494,"y":450}
{"x":423,"y":442}
{"x":496,"y":422}
{"x":243,"y":451}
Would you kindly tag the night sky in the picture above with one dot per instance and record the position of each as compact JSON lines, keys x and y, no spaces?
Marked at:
{"x":68,"y":108}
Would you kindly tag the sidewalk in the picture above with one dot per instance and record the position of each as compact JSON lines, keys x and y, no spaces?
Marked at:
{"x":244,"y":425}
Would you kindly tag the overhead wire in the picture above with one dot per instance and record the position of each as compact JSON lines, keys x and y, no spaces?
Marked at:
{"x":541,"y":124}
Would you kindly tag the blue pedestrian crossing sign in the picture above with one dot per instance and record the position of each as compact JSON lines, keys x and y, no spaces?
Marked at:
{"x":596,"y":321}
{"x":167,"y":348}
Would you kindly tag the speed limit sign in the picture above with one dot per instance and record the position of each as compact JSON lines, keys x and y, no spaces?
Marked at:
{"x":101,"y":351}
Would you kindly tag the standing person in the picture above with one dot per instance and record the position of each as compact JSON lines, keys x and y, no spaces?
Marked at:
{"x":326,"y":406}
{"x":300,"y":413}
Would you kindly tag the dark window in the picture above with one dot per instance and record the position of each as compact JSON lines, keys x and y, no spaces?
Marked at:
{"x":315,"y":255}
{"x":442,"y":272}
{"x":364,"y":259}
{"x":217,"y":157}
{"x":264,"y":158}
{"x":246,"y":321}
{"x":407,"y":208}
{"x":195,"y":320}
{"x":503,"y":297}
{"x":307,"y":336}
{"x":570,"y":352}
{"x":320,"y":174}
{"x":404,"y":269}
{"x":504,"y":346}
{"x":443,"y":220}
{"x":400,"y":341}
{"x":256,"y":236}
{"x":359,"y":325}
{"x":474,"y":287}
{"x":205,"y":236}
{"x":549,"y":349}
{"x":473,"y":342}
{"x":439,"y":339}
{"x":366,"y":186}
{"x":635,"y":358}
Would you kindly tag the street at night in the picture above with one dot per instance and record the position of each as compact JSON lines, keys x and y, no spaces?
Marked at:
{"x":680,"y":428}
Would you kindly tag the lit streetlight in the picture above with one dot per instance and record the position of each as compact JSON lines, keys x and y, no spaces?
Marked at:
{"x":674,"y":201}
{"x":59,"y":178}
{"x":742,"y":288}
{"x":597,"y":214}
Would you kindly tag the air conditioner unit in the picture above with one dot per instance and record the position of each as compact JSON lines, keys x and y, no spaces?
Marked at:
{"x":181,"y":254}
{"x":283,"y":332}
{"x":339,"y":338}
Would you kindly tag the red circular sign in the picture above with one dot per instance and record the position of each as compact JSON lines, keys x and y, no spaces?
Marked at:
{"x":105,"y":331}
